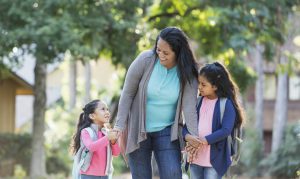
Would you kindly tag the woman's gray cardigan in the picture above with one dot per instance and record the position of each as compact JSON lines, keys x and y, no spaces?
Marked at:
{"x":132,"y":106}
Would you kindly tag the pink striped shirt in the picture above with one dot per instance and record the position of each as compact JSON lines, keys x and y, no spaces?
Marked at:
{"x":205,"y":128}
{"x":98,"y":162}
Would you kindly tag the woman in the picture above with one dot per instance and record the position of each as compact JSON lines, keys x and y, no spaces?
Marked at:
{"x":160,"y":90}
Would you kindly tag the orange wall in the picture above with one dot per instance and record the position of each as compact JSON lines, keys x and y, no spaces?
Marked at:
{"x":7,"y":105}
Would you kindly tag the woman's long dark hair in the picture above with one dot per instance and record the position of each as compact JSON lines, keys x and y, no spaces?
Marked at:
{"x":83,"y":122}
{"x":178,"y":41}
{"x":218,"y":75}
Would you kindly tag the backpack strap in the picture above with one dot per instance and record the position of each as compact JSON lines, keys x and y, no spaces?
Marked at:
{"x":222,"y":110}
{"x":222,"y":107}
{"x":199,"y":99}
{"x":92,"y":133}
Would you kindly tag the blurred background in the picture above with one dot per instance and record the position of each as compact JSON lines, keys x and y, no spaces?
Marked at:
{"x":56,"y":55}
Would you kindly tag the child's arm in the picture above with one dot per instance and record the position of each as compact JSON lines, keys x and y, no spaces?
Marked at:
{"x":115,"y":149}
{"x":227,"y":125}
{"x":93,"y":145}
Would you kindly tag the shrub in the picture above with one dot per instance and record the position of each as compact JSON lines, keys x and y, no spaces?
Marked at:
{"x":286,"y":161}
{"x":250,"y":155}
{"x":119,"y":165}
{"x":15,"y":149}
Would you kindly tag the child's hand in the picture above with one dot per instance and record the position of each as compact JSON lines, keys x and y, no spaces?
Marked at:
{"x":107,"y":125}
{"x":191,"y":152}
{"x":112,"y":135}
{"x":203,"y":141}
{"x":113,"y":141}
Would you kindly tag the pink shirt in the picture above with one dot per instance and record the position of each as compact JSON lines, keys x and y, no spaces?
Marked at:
{"x":98,"y":162}
{"x":205,"y":128}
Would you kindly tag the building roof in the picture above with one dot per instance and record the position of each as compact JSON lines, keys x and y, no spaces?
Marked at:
{"x":24,"y":88}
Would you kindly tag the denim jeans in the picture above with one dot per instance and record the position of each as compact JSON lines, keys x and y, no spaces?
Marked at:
{"x":92,"y":177}
{"x":199,"y":172}
{"x":166,"y":153}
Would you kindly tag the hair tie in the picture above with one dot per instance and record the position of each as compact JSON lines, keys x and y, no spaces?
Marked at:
{"x":84,"y":109}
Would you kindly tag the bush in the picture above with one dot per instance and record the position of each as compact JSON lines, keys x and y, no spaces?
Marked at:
{"x":56,"y":164}
{"x":15,"y":154}
{"x":251,"y":155}
{"x":286,"y":161}
{"x":119,"y":165}
{"x":15,"y":149}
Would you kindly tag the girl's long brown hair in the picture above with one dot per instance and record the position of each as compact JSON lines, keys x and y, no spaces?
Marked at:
{"x":83,"y":122}
{"x":219,"y":76}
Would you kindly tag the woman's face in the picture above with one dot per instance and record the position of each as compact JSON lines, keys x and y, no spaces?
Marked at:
{"x":165,"y":53}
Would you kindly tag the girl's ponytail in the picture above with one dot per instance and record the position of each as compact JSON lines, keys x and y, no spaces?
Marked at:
{"x":83,"y":122}
{"x":234,"y":93}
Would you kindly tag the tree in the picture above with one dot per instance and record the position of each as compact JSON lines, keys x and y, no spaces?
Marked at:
{"x":73,"y":83}
{"x":227,"y":30}
{"x":37,"y":28}
{"x":259,"y":93}
{"x":87,"y":79}
{"x":47,"y":29}
{"x":289,"y":23}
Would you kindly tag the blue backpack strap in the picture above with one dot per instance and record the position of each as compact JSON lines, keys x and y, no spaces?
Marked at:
{"x":222,"y":110}
{"x":199,"y":102}
{"x":222,"y":107}
{"x":199,"y":99}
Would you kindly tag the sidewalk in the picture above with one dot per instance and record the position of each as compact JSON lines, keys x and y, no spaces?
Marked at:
{"x":128,"y":176}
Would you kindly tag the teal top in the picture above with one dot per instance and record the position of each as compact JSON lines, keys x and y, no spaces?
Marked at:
{"x":162,"y":96}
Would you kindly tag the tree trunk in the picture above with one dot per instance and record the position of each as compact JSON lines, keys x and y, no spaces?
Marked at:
{"x":73,"y":84}
{"x":259,"y":93}
{"x":114,"y":108}
{"x":280,"y":115}
{"x":38,"y":158}
{"x":88,"y":75}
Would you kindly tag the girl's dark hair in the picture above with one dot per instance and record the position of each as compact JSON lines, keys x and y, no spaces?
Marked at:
{"x":217,"y":75}
{"x":178,"y":41}
{"x":83,"y":122}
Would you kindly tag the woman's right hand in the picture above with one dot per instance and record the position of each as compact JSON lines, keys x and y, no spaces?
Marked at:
{"x":112,"y":135}
{"x":193,"y":141}
{"x":118,"y":131}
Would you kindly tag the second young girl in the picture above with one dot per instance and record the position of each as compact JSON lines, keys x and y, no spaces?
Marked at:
{"x":95,"y":114}
{"x":210,"y":152}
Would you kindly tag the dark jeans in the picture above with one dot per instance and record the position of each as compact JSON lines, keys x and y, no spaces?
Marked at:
{"x":166,"y":153}
{"x":199,"y":172}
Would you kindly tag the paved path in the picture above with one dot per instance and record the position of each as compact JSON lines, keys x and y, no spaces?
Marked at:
{"x":128,"y":176}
